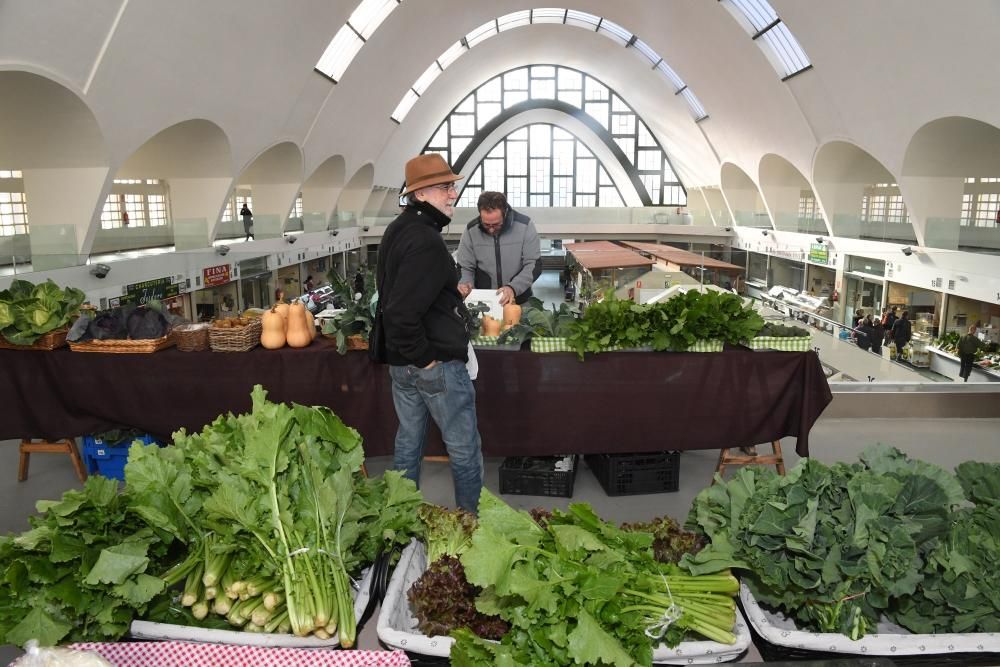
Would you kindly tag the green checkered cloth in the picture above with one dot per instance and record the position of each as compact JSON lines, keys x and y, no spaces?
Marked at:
{"x":544,"y":344}
{"x":485,"y":341}
{"x":784,"y":344}
{"x":713,"y":345}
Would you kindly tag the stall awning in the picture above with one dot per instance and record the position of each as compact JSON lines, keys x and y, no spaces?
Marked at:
{"x":681,"y":257}
{"x":597,"y":255}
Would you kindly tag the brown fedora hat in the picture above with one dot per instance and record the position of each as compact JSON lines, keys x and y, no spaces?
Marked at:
{"x":429,"y":169}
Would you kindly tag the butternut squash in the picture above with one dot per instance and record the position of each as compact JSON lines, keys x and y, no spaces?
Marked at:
{"x":272,"y":334}
{"x":282,"y":309}
{"x":511,"y":314}
{"x":311,"y":323}
{"x":491,"y":327}
{"x":297,"y":333}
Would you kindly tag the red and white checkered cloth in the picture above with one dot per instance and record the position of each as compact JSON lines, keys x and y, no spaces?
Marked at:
{"x":186,"y":654}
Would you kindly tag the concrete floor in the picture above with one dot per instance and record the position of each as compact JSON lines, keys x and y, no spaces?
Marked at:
{"x":944,"y":442}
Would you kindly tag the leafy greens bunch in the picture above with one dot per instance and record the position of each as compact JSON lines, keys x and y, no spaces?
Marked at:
{"x":442,"y":599}
{"x":82,"y":572}
{"x":675,"y":324}
{"x":582,"y":591}
{"x":275,"y":514}
{"x":834,"y":547}
{"x":28,"y":311}
{"x":961,"y":587}
{"x":537,"y":321}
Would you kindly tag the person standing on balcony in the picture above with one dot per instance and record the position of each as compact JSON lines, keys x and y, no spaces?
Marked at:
{"x":247,"y":216}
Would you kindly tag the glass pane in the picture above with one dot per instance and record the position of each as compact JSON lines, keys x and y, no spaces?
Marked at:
{"x":623,"y":123}
{"x":562,"y":191}
{"x":652,"y":183}
{"x":427,"y":78}
{"x":369,"y":15}
{"x":594,"y":90}
{"x":614,"y":32}
{"x":609,"y":197}
{"x":517,"y":191}
{"x":451,"y":55}
{"x":574,"y":97}
{"x":598,"y":111}
{"x":548,"y":15}
{"x":339,"y":54}
{"x":458,"y":145}
{"x":512,"y":97}
{"x":541,"y":171}
{"x":543,"y":89}
{"x":646,"y":50}
{"x":665,"y":69}
{"x":516,"y":80}
{"x":481,"y":34}
{"x":514,"y":20}
{"x":543,"y":71}
{"x":467,"y":105}
{"x":562,"y":158}
{"x":521,"y":134}
{"x":645,"y":136}
{"x":650,"y":160}
{"x":463,"y":125}
{"x":569,"y":79}
{"x":586,"y":200}
{"x":758,"y":12}
{"x":586,"y":174}
{"x":559,"y":133}
{"x":489,"y":91}
{"x":493,"y":176}
{"x":582,"y":19}
{"x":541,"y":200}
{"x":404,"y":106}
{"x":517,"y":158}
{"x":618,"y":104}
{"x":540,"y":137}
{"x":486,"y":111}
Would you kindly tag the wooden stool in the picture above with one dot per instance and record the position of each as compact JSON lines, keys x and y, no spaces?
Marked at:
{"x":727,"y":459}
{"x":65,"y":446}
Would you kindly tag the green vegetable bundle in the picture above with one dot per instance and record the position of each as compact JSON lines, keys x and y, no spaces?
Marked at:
{"x":537,"y":321}
{"x":82,"y":572}
{"x":772,"y":330}
{"x":28,"y":311}
{"x":582,"y":591}
{"x":675,"y":324}
{"x":838,"y":547}
{"x":274,"y":498}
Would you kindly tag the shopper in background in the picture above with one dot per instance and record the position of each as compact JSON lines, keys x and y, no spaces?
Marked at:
{"x":866,"y":333}
{"x":227,"y":308}
{"x":967,"y":348}
{"x":888,"y":322}
{"x":877,"y":336}
{"x":499,"y":250}
{"x":308,"y":284}
{"x":426,"y":339}
{"x":247,"y":221}
{"x":902,"y":331}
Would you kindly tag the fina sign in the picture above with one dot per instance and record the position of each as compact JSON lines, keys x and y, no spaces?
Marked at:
{"x":819,"y":254}
{"x":215,"y":275}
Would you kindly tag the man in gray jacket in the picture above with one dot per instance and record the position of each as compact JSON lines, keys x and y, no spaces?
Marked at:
{"x":499,"y":250}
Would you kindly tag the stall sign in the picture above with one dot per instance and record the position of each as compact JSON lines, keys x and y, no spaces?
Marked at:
{"x":150,"y":290}
{"x":819,"y":254}
{"x":213,"y":276}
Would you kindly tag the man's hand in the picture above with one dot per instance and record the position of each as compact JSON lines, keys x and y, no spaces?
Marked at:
{"x":506,"y":295}
{"x":430,"y":365}
{"x":465,"y":289}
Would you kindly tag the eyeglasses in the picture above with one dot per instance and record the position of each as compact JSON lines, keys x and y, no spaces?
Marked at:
{"x":447,"y":187}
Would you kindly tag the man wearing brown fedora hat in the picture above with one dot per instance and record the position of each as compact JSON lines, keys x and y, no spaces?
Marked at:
{"x":426,"y":339}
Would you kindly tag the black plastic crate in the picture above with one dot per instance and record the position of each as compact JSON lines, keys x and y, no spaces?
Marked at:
{"x":537,"y":476}
{"x":633,"y":474}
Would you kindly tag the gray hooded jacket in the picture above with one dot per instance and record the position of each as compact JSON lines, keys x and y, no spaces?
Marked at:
{"x":513,"y":255}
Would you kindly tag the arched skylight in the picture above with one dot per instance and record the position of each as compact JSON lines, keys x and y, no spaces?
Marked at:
{"x":611,"y":118}
{"x":542,"y":165}
{"x":361,"y":25}
{"x":526,"y":17}
{"x":774,"y":38}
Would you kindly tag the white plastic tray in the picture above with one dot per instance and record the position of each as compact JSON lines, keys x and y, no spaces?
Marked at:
{"x":170,"y":632}
{"x":397,"y":627}
{"x":891,"y":639}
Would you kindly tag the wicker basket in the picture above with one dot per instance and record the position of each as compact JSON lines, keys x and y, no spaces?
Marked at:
{"x":357,"y":342}
{"x":50,"y":341}
{"x":235,"y":339}
{"x":191,"y":337}
{"x":125,"y":346}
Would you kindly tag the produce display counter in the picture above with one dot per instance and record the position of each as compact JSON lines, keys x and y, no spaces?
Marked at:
{"x":527,"y":403}
{"x":948,"y":365}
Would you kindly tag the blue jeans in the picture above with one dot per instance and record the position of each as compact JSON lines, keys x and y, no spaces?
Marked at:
{"x":445,"y":393}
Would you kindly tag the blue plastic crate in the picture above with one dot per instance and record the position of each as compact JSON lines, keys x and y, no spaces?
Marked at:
{"x":109,"y":458}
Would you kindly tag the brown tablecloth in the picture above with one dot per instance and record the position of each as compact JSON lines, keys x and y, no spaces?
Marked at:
{"x":528,"y":404}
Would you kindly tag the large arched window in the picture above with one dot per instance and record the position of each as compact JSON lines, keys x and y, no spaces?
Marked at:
{"x":576,"y":93}
{"x":542,"y":165}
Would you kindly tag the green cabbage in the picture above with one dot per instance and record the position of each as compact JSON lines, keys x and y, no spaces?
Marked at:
{"x":29,"y":311}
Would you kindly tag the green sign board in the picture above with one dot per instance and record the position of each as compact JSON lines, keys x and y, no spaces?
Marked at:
{"x":819,"y":254}
{"x":150,"y":290}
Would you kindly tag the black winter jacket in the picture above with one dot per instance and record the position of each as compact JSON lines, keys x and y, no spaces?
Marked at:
{"x":418,"y":290}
